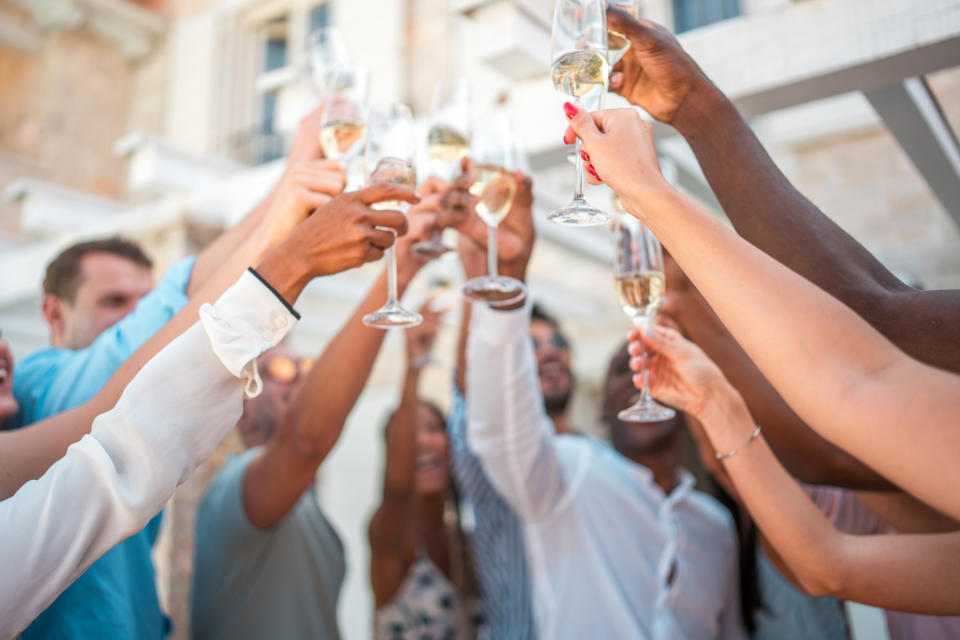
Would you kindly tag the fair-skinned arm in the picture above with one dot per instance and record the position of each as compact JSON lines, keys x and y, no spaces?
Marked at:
{"x":841,"y":376}
{"x":908,"y":572}
{"x":335,"y":241}
{"x":288,"y":464}
{"x":658,"y":75}
{"x":391,"y":551}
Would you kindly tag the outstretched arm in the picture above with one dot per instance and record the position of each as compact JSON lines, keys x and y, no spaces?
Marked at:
{"x":26,"y":453}
{"x":391,"y":553}
{"x":917,"y":573}
{"x":838,"y":373}
{"x":806,"y":454}
{"x":658,"y":75}
{"x":277,"y":478}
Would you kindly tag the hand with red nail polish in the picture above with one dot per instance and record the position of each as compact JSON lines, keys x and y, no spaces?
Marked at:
{"x":617,"y":146}
{"x":570,"y":110}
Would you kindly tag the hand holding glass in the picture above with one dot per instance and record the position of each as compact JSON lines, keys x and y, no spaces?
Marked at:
{"x":580,"y":71}
{"x":448,"y":141}
{"x":492,"y":165}
{"x":390,"y":153}
{"x":640,"y":285}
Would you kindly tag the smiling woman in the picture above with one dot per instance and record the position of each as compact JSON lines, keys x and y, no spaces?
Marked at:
{"x":421,"y":574}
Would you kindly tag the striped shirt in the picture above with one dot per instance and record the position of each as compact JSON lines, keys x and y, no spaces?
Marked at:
{"x":497,"y":539}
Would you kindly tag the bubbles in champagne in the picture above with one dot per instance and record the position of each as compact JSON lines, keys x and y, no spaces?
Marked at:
{"x":343,"y":138}
{"x":581,"y":75}
{"x":394,"y":171}
{"x":446,"y":144}
{"x":640,"y":294}
{"x":494,"y":187}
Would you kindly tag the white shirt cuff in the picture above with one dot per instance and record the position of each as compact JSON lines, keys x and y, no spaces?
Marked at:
{"x":497,"y":327}
{"x":244,"y":322}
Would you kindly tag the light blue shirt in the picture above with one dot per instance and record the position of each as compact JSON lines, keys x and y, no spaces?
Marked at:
{"x":117,"y":596}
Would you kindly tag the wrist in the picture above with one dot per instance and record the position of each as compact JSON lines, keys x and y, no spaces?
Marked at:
{"x":287,"y":274}
{"x":725,"y":417}
{"x":701,"y":107}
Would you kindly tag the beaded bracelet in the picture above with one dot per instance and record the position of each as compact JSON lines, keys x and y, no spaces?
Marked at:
{"x":753,"y":436}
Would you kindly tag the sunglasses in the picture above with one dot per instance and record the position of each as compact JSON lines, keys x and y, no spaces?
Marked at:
{"x":556,"y":340}
{"x":286,"y":370}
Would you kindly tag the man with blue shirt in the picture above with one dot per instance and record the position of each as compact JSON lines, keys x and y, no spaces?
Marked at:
{"x":100,"y":309}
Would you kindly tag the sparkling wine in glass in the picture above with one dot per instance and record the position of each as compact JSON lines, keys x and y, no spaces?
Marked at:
{"x":617,"y":43}
{"x":448,"y":141}
{"x":580,"y":71}
{"x":493,"y":162}
{"x":390,"y":152}
{"x":343,"y":132}
{"x":640,"y":285}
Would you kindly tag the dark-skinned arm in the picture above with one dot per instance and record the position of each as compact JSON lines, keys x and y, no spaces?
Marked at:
{"x":767,"y":210}
{"x":287,"y":466}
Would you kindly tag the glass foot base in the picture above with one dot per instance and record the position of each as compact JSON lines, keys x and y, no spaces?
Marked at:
{"x":652,"y":412}
{"x":392,"y":315}
{"x":429,"y":249}
{"x":499,"y":291}
{"x":579,"y":213}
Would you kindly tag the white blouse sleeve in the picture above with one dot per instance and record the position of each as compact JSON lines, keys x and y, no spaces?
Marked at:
{"x":170,"y":418}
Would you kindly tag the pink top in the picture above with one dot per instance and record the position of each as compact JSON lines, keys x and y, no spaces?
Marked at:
{"x":851,"y":516}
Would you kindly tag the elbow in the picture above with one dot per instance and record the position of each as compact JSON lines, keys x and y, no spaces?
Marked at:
{"x":827,"y":574}
{"x":312,"y":441}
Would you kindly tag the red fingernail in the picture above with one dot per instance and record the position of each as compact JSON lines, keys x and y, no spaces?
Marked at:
{"x":583,"y":154}
{"x":570,"y":110}
{"x":593,"y":172}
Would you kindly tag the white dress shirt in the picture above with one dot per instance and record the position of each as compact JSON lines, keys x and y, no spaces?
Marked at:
{"x":610,"y":555}
{"x":109,"y":484}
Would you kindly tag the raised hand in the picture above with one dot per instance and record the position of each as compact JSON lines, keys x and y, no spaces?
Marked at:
{"x":306,"y":185}
{"x":618,"y":148}
{"x":346,"y":232}
{"x":655,"y":74}
{"x":681,"y":374}
{"x":515,"y":234}
{"x":306,"y":143}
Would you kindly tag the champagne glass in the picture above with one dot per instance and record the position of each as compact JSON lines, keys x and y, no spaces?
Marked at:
{"x":327,"y":53}
{"x":580,"y":70}
{"x":640,"y":284}
{"x":391,"y":149}
{"x":617,"y":43}
{"x":493,"y":160}
{"x":448,"y":141}
{"x":343,"y":132}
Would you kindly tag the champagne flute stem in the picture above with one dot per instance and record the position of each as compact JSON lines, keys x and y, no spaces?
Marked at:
{"x":392,"y":273}
{"x":579,"y":159}
{"x":491,"y":251}
{"x":645,"y":398}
